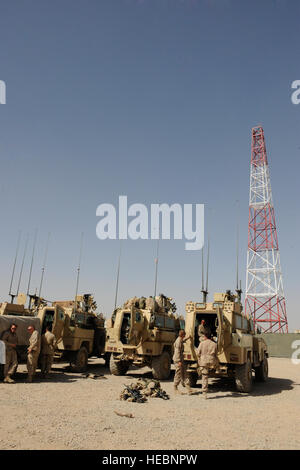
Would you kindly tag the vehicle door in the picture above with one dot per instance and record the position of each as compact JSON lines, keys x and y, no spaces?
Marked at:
{"x":58,"y":323}
{"x":220,"y":330}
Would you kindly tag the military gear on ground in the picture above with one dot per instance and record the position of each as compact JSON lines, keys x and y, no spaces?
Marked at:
{"x":143,"y":388}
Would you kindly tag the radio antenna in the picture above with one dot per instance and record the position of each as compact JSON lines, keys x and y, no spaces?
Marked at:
{"x":14,"y":267}
{"x":31,"y":265}
{"x":205,"y":292}
{"x":118,"y":275}
{"x":156,"y":269}
{"x":44,"y":266}
{"x":238,"y":290}
{"x":22,"y":265}
{"x":78,"y":272}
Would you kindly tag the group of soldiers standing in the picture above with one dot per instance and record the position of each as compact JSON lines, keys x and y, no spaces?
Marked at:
{"x":43,"y":346}
{"x":207,"y":358}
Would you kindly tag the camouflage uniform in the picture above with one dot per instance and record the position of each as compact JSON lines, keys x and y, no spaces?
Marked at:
{"x":180,"y":371}
{"x":32,"y":357}
{"x":47,"y":351}
{"x":11,"y":360}
{"x":2,"y":359}
{"x":203,"y":330}
{"x":207,"y":353}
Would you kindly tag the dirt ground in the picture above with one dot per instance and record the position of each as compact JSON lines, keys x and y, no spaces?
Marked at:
{"x":70,"y":411}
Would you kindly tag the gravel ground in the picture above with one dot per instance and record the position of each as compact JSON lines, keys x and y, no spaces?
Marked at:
{"x":69,"y":411}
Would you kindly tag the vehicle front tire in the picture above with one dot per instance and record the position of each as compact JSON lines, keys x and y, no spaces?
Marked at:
{"x":117,"y":367}
{"x":161,"y":366}
{"x":80,"y":360}
{"x":243,"y":377}
{"x":262,"y":371}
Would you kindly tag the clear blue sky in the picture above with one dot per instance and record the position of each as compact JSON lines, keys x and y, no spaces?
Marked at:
{"x":153,"y":99}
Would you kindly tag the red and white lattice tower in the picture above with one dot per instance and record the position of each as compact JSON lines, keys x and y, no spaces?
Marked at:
{"x":264,"y":300}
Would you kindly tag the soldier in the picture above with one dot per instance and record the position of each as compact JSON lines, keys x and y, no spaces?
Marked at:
{"x":180,"y":366}
{"x":2,"y":359}
{"x":203,"y":329}
{"x":33,"y":352}
{"x":47,"y":351}
{"x":208,"y":359}
{"x":10,"y":339}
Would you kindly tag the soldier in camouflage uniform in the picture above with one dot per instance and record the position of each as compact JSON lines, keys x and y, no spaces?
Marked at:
{"x":47,"y":351}
{"x":33,"y":352}
{"x":208,"y":359}
{"x":203,"y":329}
{"x":10,"y":339}
{"x":180,"y":366}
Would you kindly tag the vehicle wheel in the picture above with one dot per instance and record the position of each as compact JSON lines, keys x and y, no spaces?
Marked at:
{"x":261,"y":372}
{"x":193,"y":377}
{"x":243,"y":377}
{"x":117,"y":367}
{"x":80,"y":360}
{"x":161,"y":366}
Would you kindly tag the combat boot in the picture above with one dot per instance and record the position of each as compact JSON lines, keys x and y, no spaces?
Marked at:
{"x":8,"y":380}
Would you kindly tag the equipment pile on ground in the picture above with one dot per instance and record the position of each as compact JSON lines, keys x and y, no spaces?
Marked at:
{"x":143,"y":388}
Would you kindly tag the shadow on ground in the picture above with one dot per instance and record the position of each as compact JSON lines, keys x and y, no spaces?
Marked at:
{"x":55,"y":377}
{"x":272,"y":386}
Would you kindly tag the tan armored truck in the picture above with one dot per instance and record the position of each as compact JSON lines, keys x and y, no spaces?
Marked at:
{"x":83,"y":335}
{"x":79,"y":334}
{"x":142,"y":332}
{"x":17,"y":313}
{"x":240,"y":351}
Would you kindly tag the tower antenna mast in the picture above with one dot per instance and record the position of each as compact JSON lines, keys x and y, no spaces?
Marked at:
{"x":265,"y":299}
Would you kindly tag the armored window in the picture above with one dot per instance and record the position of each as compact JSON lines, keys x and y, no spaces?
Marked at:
{"x":170,"y":323}
{"x":200,"y":305}
{"x":159,"y":321}
{"x":137,"y":317}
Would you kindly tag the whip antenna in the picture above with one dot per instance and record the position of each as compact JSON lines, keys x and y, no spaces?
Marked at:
{"x":44,"y":265}
{"x":30,"y":273}
{"x":118,"y":274}
{"x":205,"y":292}
{"x":238,"y":290}
{"x":78,"y":272}
{"x":22,"y":265}
{"x":14,"y":267}
{"x":156,"y":269}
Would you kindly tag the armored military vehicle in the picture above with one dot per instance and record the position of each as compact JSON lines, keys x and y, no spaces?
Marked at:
{"x":142,"y":332}
{"x":79,"y":331}
{"x":240,"y":351}
{"x":22,"y":317}
{"x":83,"y":334}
